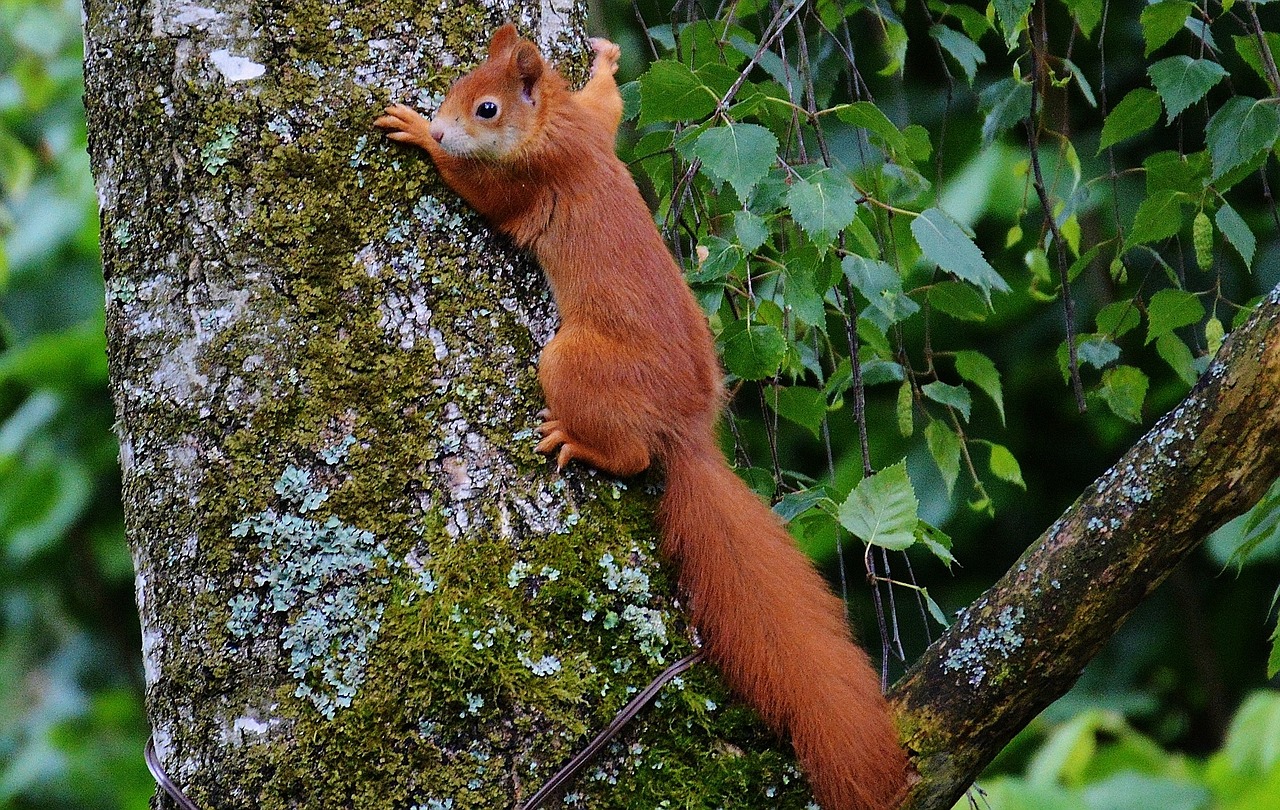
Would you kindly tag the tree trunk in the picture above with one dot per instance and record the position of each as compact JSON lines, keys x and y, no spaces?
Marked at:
{"x":359,"y":587}
{"x":1023,"y":643}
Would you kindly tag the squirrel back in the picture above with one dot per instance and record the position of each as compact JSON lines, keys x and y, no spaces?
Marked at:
{"x":631,"y":378}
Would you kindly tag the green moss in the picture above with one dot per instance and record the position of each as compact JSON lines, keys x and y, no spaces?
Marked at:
{"x":371,"y":623}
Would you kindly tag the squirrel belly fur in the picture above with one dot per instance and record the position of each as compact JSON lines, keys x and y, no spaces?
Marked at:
{"x":631,"y":378}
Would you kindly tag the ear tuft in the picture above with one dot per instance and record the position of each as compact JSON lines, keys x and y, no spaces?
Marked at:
{"x":502,"y":40}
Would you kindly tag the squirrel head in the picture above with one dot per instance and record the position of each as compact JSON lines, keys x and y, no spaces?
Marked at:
{"x":493,"y":111}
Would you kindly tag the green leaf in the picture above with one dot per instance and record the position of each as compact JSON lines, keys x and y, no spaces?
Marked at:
{"x":669,"y":91}
{"x":978,"y":369}
{"x":1160,"y":21}
{"x":1088,"y":14}
{"x":1136,"y":113}
{"x":1005,"y":467}
{"x":1247,"y":47}
{"x":1177,"y":354}
{"x":1006,"y":103}
{"x":794,"y":504}
{"x":934,"y":610}
{"x":956,"y":396}
{"x":945,"y":244}
{"x":1170,"y":310}
{"x":962,"y":49}
{"x":723,"y":257}
{"x":1097,"y":352}
{"x":882,"y":287}
{"x":752,"y":352}
{"x":1118,"y":318}
{"x":868,"y":116}
{"x":1158,"y":217}
{"x":823,"y":205}
{"x":939,"y":544}
{"x":882,"y":510}
{"x":1012,"y":16}
{"x":1273,"y":660}
{"x":741,"y":154}
{"x":1182,"y":81}
{"x":751,"y":230}
{"x":944,"y":446}
{"x":1172,"y":171}
{"x":1237,"y":232}
{"x":801,"y":404}
{"x":959,"y":300}
{"x":1124,"y":388}
{"x":1239,"y":131}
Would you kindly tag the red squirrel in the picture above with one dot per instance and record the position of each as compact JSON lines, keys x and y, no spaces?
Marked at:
{"x":631,"y":378}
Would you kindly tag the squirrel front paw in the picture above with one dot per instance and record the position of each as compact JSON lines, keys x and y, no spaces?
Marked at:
{"x":405,"y":124}
{"x":607,"y":55}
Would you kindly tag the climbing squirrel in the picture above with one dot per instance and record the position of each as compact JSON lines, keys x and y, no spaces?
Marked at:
{"x":631,"y":378}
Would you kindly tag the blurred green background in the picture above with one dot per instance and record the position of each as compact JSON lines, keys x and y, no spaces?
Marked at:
{"x":1139,"y":731}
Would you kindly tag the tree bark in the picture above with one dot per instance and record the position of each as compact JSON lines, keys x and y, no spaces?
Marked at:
{"x":1023,"y":643}
{"x":359,"y":586}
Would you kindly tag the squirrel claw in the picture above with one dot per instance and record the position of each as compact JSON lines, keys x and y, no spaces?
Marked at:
{"x":607,"y":55}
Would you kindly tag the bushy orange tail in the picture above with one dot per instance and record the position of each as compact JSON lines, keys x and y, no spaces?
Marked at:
{"x":778,"y":634}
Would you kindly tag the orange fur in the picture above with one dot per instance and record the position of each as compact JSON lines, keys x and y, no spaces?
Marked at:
{"x":631,"y":377}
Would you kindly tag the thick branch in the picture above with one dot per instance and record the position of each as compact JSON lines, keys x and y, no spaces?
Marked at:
{"x":1026,"y":640}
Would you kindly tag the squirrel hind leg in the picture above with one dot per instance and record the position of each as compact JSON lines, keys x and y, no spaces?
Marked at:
{"x":615,"y":456}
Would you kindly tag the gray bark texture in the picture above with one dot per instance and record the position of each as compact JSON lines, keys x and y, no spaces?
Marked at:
{"x":359,"y":587}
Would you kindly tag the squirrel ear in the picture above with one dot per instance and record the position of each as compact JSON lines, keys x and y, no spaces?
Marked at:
{"x":527,"y":63}
{"x":503,"y":39}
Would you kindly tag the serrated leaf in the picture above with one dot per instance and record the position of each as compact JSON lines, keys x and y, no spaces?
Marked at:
{"x":1124,"y":389}
{"x":1118,"y":318}
{"x":868,"y":116}
{"x":752,"y":352}
{"x":944,"y":446}
{"x":794,"y":504}
{"x":1136,"y":113}
{"x":823,"y":205}
{"x":1097,"y":352}
{"x":962,"y":49}
{"x":750,"y":229}
{"x":1005,"y":467}
{"x":1239,"y":131}
{"x":1182,"y":81}
{"x":740,"y":154}
{"x":1178,"y":355}
{"x":722,"y":257}
{"x":1082,"y":82}
{"x":1247,"y":47}
{"x":959,"y":300}
{"x":939,"y":544}
{"x":1159,"y":216}
{"x":801,"y":404}
{"x":1160,"y":21}
{"x":881,"y":285}
{"x":1012,"y":14}
{"x":1172,"y":171}
{"x":978,"y":369}
{"x":669,"y":91}
{"x":883,"y":510}
{"x":1170,"y":310}
{"x":1213,"y":335}
{"x":1088,"y":13}
{"x":1006,"y":103}
{"x":1237,"y":232}
{"x":945,"y":244}
{"x":956,"y":396}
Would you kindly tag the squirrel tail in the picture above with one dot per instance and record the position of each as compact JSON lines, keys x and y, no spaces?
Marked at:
{"x":778,"y":634}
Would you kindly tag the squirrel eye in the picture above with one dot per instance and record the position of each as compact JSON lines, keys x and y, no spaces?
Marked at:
{"x":487,"y":110}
